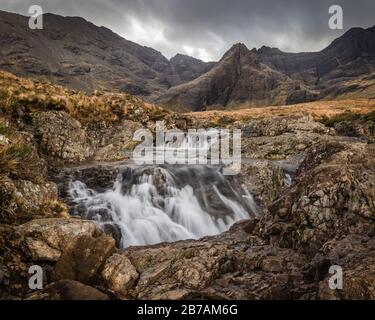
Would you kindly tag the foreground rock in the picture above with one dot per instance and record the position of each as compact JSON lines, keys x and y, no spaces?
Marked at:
{"x":45,"y":239}
{"x":84,"y":257}
{"x":325,"y":218}
{"x":68,"y":290}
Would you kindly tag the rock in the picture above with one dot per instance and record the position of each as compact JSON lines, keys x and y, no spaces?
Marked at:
{"x":357,"y":128}
{"x":355,"y":255}
{"x":46,"y":239}
{"x":333,"y":196}
{"x":34,"y":196}
{"x":68,"y":290}
{"x":119,"y":274}
{"x":23,"y":200}
{"x":116,"y":142}
{"x":263,"y":180}
{"x":83,"y":258}
{"x":61,"y":136}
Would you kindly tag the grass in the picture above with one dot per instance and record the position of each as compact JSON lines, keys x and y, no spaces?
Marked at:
{"x":318,"y":110}
{"x":348,"y":116}
{"x":6,"y":201}
{"x":19,"y":96}
{"x":20,"y":161}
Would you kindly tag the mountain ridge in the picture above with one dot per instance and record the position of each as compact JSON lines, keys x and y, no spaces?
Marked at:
{"x":102,"y":60}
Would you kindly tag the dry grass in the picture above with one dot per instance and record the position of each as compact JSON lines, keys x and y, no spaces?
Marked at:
{"x":319,"y":110}
{"x":19,"y":160}
{"x":20,"y":95}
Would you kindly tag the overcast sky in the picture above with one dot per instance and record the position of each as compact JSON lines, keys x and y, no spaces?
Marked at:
{"x":207,"y":28}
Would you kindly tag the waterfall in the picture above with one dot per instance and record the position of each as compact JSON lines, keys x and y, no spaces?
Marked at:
{"x":154,"y":204}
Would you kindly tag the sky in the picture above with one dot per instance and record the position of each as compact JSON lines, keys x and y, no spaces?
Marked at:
{"x":206,"y":29}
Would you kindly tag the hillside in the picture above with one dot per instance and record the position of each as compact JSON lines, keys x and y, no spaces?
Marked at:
{"x":102,"y":60}
{"x":80,"y":55}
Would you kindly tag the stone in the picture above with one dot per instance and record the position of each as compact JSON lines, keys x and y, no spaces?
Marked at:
{"x":119,"y":274}
{"x":46,"y":239}
{"x":83,"y":258}
{"x":68,"y":290}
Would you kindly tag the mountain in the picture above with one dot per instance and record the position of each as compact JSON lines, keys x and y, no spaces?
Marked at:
{"x":239,"y":78}
{"x":80,"y":55}
{"x":76,"y":53}
{"x":243,"y":77}
{"x":188,"y":68}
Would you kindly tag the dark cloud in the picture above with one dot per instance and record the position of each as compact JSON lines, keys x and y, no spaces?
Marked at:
{"x":207,"y":28}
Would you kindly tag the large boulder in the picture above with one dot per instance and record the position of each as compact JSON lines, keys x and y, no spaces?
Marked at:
{"x":83,"y":258}
{"x":46,"y":239}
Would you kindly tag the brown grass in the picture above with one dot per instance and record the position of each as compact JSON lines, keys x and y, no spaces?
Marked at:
{"x":19,"y":160}
{"x":319,"y":110}
{"x":25,"y":95}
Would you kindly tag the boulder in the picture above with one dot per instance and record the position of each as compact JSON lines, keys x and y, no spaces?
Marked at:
{"x":46,"y":239}
{"x":83,"y":258}
{"x":119,"y":274}
{"x":332,"y":196}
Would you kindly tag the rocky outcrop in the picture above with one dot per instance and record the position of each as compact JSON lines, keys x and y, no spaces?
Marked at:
{"x":61,"y":136}
{"x":332,"y":196}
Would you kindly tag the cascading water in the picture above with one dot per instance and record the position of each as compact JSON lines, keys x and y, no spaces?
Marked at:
{"x":150,"y":205}
{"x":154,"y":204}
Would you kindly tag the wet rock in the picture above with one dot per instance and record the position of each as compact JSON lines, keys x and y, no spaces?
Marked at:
{"x":83,"y":258}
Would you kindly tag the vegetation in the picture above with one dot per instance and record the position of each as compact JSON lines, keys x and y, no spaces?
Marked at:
{"x":348,"y":116}
{"x":19,"y":97}
{"x":20,"y":161}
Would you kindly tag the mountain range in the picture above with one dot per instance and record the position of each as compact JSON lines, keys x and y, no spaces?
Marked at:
{"x":78,"y":54}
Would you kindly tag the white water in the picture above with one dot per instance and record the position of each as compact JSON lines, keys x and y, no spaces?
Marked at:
{"x":161,"y":204}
